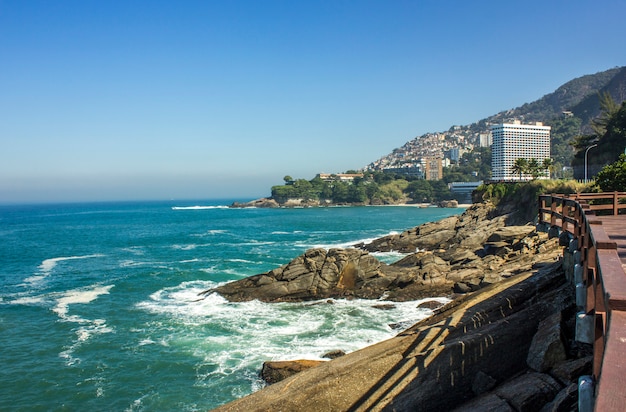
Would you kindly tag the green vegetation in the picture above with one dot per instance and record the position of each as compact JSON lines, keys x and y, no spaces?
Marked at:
{"x":610,"y":137}
{"x":374,"y":188}
{"x":522,"y":198}
{"x":613,"y":177}
{"x":532,"y":167}
{"x":527,"y":191}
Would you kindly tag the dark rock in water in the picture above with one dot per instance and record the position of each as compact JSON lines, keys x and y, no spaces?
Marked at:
{"x":333,"y":354}
{"x":276,"y":371}
{"x":260,"y":203}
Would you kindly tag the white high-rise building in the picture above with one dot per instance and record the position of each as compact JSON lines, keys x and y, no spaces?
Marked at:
{"x":512,"y":141}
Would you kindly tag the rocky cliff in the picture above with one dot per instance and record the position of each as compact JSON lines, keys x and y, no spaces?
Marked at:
{"x":505,"y":342}
{"x":507,"y":347}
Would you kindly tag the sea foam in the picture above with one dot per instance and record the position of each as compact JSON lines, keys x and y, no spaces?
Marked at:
{"x":47,"y":266}
{"x":78,"y":296}
{"x":198,"y":207}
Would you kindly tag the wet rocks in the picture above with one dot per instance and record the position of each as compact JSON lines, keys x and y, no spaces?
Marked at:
{"x":459,"y":254}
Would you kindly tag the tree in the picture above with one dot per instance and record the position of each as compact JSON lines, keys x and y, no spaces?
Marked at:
{"x":420,"y":191}
{"x":548,"y":164}
{"x":520,"y":166}
{"x":608,"y":108}
{"x":534,"y":168}
{"x":288,"y":179}
{"x":613,"y":177}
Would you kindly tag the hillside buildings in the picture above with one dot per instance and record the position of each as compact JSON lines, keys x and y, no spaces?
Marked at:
{"x":512,"y":141}
{"x":339,"y":177}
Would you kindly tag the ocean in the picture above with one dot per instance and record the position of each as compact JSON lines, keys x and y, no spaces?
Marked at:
{"x":99,"y":305}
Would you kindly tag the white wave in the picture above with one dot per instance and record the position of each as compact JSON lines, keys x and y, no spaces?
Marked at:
{"x":78,"y":296}
{"x":136,"y":250}
{"x":211,"y":232}
{"x":389,"y":257}
{"x":185,"y":247}
{"x":88,"y":327}
{"x":48,"y":265}
{"x":27,"y":300}
{"x":279,"y":331}
{"x":240,"y":261}
{"x":199,"y":207}
{"x":190,"y":260}
{"x":33,"y":279}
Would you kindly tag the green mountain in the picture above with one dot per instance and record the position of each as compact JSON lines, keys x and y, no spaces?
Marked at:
{"x":578,"y":96}
{"x":569,"y":110}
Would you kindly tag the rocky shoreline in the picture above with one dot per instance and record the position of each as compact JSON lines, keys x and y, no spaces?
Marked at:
{"x":504,"y":342}
{"x":268,"y":202}
{"x":458,"y":254}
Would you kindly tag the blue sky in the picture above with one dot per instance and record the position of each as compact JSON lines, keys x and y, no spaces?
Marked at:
{"x":122,"y":100}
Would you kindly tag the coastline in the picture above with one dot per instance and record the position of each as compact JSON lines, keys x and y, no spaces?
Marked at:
{"x":302,"y":203}
{"x":512,"y":305}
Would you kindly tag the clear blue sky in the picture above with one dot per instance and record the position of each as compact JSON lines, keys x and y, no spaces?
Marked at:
{"x":112,"y":100}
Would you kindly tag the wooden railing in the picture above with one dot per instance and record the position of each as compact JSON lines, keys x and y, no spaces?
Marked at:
{"x":603,"y":281}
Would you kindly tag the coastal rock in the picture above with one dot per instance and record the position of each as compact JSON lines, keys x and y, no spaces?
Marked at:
{"x":260,"y":203}
{"x":470,"y":230}
{"x":566,"y":400}
{"x":276,"y":371}
{"x":455,"y":262}
{"x":315,"y":275}
{"x":547,"y":348}
{"x":568,"y":371}
{"x":476,"y":342}
{"x":529,"y":392}
{"x":333,"y":354}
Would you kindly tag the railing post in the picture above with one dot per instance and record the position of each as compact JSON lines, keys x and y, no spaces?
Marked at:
{"x":615,"y":203}
{"x":552,"y":210}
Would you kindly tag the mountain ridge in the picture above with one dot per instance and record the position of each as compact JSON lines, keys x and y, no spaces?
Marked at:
{"x":579,"y":98}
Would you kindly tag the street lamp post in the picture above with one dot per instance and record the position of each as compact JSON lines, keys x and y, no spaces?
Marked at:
{"x":587,"y":151}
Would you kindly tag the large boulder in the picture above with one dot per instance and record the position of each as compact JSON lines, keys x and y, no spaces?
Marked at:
{"x":316,"y":274}
{"x":276,"y":371}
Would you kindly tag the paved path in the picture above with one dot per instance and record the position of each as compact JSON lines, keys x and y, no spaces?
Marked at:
{"x":615,"y":228}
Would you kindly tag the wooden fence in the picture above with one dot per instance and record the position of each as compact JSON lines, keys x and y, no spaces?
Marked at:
{"x":603,"y":280}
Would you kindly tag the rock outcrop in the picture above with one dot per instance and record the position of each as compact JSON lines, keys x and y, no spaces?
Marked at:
{"x":505,"y":344}
{"x":490,"y":350}
{"x":459,"y":254}
{"x":276,"y":371}
{"x":261,"y":203}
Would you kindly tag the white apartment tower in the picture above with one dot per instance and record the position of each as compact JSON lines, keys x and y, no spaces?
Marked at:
{"x":512,"y":141}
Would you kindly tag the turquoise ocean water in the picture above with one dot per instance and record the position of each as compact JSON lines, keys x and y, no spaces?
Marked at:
{"x":99,"y":308}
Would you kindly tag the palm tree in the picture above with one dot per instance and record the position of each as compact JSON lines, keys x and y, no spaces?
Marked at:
{"x":534,"y":168}
{"x":520,"y":167}
{"x":549,"y":165}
